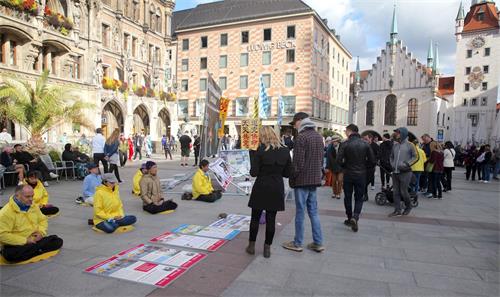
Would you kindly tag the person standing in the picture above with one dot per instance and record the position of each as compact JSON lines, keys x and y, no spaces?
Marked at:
{"x":308,"y":164}
{"x":269,"y":163}
{"x":196,"y":148}
{"x":288,"y":140}
{"x":436,"y":168}
{"x":485,"y":165}
{"x":418,"y":167}
{"x":470,"y":163}
{"x":403,"y":156}
{"x":148,"y":145}
{"x":426,"y":181}
{"x":98,"y":149}
{"x":449,"y":165}
{"x":111,"y":153}
{"x":333,"y":166}
{"x":138,"y":141}
{"x":122,"y":150}
{"x":355,"y":156}
{"x":151,"y":193}
{"x":185,"y":141}
{"x":130,"y":142}
{"x":385,"y":150}
{"x":165,"y":143}
{"x":496,"y":169}
{"x":370,"y":168}
{"x":5,"y":136}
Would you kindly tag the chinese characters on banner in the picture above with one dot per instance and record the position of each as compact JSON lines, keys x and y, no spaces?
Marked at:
{"x":224,"y":103}
{"x":211,"y":122}
{"x":250,"y":134}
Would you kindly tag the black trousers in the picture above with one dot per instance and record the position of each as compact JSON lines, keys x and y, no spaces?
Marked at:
{"x":114,"y":168}
{"x":270,"y":225}
{"x":49,"y":210}
{"x":19,"y":253}
{"x":446,"y":178}
{"x":138,"y":150}
{"x":212,"y":197}
{"x":354,"y":185}
{"x":123,"y":158}
{"x":100,"y":157}
{"x":154,"y":209}
{"x":385,"y":177}
{"x":196,"y":157}
{"x":42,"y":168}
{"x":168,"y":153}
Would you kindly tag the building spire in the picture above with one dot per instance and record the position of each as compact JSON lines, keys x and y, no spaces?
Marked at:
{"x":358,"y":72}
{"x":394,"y":26}
{"x":460,"y":14}
{"x":430,"y":56}
{"x":435,"y":68}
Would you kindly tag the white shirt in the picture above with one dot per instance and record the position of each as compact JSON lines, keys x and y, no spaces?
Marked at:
{"x":5,"y":137}
{"x":98,"y":144}
{"x":449,"y":156}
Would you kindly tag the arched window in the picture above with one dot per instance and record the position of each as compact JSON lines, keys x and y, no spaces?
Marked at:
{"x":390,"y":110}
{"x":152,"y":18}
{"x":412,"y":112}
{"x":369,"y":113}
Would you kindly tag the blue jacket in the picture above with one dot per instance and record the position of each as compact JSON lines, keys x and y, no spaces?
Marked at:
{"x":111,"y":149}
{"x":90,"y":182}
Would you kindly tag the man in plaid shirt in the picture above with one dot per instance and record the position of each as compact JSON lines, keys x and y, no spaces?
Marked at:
{"x":308,"y":155}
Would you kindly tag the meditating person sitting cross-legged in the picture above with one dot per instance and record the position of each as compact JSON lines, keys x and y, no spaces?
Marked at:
{"x":41,"y":196}
{"x":108,"y":207}
{"x":151,"y":194}
{"x":202,"y":185}
{"x":23,"y":228}
{"x":136,"y":182}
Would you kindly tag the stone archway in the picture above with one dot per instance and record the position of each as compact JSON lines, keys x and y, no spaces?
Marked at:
{"x":112,"y":118}
{"x":164,"y":122}
{"x":141,"y":120}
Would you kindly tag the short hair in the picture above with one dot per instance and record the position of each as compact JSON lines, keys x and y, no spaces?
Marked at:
{"x":98,"y":130}
{"x":204,"y":163}
{"x":353,"y":128}
{"x":16,"y":145}
{"x":19,"y":188}
{"x":387,"y":136}
{"x":426,"y":135}
{"x":33,"y":173}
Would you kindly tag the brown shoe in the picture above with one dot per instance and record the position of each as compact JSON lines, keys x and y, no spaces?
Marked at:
{"x":250,"y":248}
{"x":267,"y":251}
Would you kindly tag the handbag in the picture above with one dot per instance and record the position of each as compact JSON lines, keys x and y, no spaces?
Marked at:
{"x":429,"y":167}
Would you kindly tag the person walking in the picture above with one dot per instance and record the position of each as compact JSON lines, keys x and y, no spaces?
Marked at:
{"x":185,"y":142}
{"x":148,"y":145}
{"x":111,"y":153}
{"x":403,"y":156}
{"x":308,"y":164}
{"x":122,"y":150}
{"x":98,"y":149}
{"x":138,"y":142}
{"x":130,"y":141}
{"x":385,"y":150}
{"x":436,"y":167}
{"x":355,"y":156}
{"x":449,"y":165}
{"x":269,"y":164}
{"x":196,"y":148}
{"x":333,"y":166}
{"x":165,"y":143}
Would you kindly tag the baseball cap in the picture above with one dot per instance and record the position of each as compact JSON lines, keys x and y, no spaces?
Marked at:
{"x":109,"y":177}
{"x":298,"y":117}
{"x":92,"y":165}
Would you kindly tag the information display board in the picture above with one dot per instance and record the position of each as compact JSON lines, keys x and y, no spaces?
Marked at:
{"x":213,"y":232}
{"x":163,"y":255}
{"x":233,"y":222}
{"x":189,"y":241}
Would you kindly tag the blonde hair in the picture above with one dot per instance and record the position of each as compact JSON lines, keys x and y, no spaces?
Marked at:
{"x":435,"y":146}
{"x":269,"y":138}
{"x":114,"y":136}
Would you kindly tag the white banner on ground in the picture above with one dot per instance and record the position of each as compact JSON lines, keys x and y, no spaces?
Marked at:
{"x":189,"y":241}
{"x":163,"y":255}
{"x":238,"y":160}
{"x":233,"y":222}
{"x":222,"y":173}
{"x":214,"y":232}
{"x":137,"y":271}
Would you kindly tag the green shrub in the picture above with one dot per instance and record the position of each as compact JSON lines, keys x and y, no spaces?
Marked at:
{"x":55,"y":155}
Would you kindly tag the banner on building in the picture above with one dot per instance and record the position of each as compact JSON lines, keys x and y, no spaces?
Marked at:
{"x":189,"y":241}
{"x":238,"y":160}
{"x":250,"y":134}
{"x":224,"y":104}
{"x":163,"y":255}
{"x":234,"y":222}
{"x":211,"y":120}
{"x":222,"y":173}
{"x":204,"y":231}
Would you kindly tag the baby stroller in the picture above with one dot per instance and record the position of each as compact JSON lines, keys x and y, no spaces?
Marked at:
{"x":386,"y":196}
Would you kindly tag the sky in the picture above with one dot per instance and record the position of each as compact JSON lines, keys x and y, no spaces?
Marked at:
{"x":364,"y":26}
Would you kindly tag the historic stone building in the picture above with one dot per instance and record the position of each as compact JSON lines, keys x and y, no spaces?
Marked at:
{"x":116,"y":54}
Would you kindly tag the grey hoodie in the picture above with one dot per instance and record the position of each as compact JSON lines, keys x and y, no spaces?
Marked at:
{"x":305,"y":124}
{"x":403,"y":154}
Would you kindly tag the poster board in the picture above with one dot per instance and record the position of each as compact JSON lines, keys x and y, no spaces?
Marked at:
{"x":250,"y":134}
{"x":222,"y":172}
{"x":224,"y":104}
{"x":163,"y":255}
{"x":137,"y":271}
{"x":189,"y":241}
{"x":233,"y":222}
{"x":211,"y":120}
{"x":207,"y":231}
{"x":238,"y":160}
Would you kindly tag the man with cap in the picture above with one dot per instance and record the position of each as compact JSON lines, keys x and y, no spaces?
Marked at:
{"x":98,"y":143}
{"x":308,"y":154}
{"x":355,"y":156}
{"x":108,"y":207}
{"x":90,"y":183}
{"x":136,"y":181}
{"x":151,"y":193}
{"x":403,"y":156}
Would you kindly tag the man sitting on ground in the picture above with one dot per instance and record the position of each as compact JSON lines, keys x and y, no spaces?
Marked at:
{"x":202,"y":185}
{"x":23,"y":157}
{"x":136,"y":189}
{"x":23,"y":228}
{"x":108,"y":207}
{"x":41,"y":196}
{"x":90,"y":183}
{"x":151,"y":194}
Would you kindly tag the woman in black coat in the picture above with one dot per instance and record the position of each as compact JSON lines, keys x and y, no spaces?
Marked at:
{"x":269,"y":163}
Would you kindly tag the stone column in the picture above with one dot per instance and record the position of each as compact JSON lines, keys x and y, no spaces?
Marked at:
{"x":128,"y":117}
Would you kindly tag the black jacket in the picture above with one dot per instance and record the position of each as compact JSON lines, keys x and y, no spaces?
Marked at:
{"x":384,"y":155}
{"x":269,"y":167}
{"x":355,"y":156}
{"x":375,"y":150}
{"x":23,"y":157}
{"x":331,"y":159}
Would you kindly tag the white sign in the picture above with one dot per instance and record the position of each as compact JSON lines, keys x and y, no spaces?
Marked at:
{"x":222,"y":173}
{"x":189,"y":241}
{"x":163,"y":255}
{"x":213,"y":232}
{"x":238,"y":160}
{"x":233,"y":222}
{"x":268,"y":46}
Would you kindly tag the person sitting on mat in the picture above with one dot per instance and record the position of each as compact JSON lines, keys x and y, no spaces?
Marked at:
{"x":90,"y":183}
{"x":151,"y":194}
{"x":136,"y":190}
{"x":108,"y":207}
{"x":23,"y":228}
{"x":202,"y":185}
{"x":41,"y":196}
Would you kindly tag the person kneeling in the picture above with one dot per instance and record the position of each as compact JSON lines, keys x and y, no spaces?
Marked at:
{"x":202,"y":185}
{"x":108,"y":207}
{"x":23,"y":228}
{"x":41,"y":196}
{"x":136,"y":189}
{"x":151,"y":193}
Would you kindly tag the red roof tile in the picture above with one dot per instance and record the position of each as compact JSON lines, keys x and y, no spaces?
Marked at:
{"x":490,"y":20}
{"x":446,"y":86}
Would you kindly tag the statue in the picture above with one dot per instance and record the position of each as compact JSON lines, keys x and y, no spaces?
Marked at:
{"x":143,"y":51}
{"x":98,"y":72}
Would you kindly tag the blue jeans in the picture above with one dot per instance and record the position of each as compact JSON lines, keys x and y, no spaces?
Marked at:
{"x":111,"y":226}
{"x":486,"y":172}
{"x":357,"y":185}
{"x":417,"y":182}
{"x":306,"y":198}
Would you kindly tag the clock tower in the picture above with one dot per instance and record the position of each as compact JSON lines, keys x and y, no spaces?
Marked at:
{"x":477,"y":73}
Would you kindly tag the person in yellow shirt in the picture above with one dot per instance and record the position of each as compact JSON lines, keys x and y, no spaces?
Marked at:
{"x":108,"y":207}
{"x":41,"y":197}
{"x":202,"y":185}
{"x":23,"y":228}
{"x":418,"y":167}
{"x":136,"y":189}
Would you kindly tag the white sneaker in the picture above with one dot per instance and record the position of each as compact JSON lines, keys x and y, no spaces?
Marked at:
{"x":46,"y":184}
{"x":53,"y":175}
{"x":485,"y":181}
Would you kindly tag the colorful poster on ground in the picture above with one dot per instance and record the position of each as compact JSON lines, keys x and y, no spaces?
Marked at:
{"x":205,"y":231}
{"x":222,"y":173}
{"x":233,"y":222}
{"x":163,"y":255}
{"x":189,"y":241}
{"x":238,"y":160}
{"x":211,"y":120}
{"x":137,"y":271}
{"x":250,"y":134}
{"x":224,"y":103}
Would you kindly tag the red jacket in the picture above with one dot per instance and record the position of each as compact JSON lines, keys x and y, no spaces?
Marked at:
{"x":437,"y":158}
